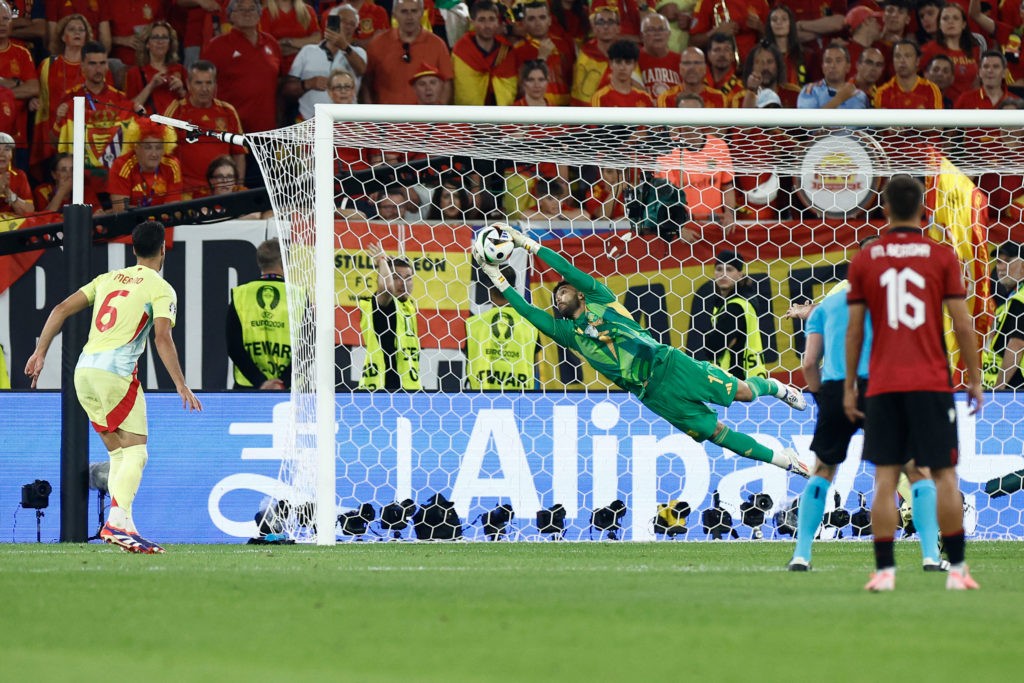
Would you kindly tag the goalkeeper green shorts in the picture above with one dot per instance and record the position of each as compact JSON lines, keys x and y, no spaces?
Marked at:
{"x":680,"y":388}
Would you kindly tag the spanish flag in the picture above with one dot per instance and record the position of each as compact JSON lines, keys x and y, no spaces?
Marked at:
{"x":959,"y":217}
{"x":14,"y":266}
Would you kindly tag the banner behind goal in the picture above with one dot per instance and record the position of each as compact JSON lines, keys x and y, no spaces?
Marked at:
{"x":649,"y":201}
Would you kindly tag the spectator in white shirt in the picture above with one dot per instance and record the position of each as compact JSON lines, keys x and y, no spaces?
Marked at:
{"x":307,"y":79}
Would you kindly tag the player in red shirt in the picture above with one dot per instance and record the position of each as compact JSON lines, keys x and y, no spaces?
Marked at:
{"x":621,"y":92}
{"x":144,"y":175}
{"x":907,"y":90}
{"x":904,"y":279}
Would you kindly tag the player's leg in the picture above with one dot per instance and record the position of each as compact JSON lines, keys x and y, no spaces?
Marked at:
{"x":832,"y":434}
{"x":746,"y":446}
{"x":755,"y":387}
{"x":886,"y":436}
{"x":884,"y":516}
{"x":922,"y":504}
{"x":934,"y":445}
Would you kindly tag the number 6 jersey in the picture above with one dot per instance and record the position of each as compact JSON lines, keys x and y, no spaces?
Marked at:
{"x":903,"y":280}
{"x":124,"y":304}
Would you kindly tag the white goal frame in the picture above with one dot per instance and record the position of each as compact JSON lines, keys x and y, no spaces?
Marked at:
{"x":327,"y":115}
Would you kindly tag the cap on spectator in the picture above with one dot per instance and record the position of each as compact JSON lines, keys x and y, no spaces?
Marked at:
{"x":730,"y":258}
{"x":604,"y":6}
{"x":859,"y":14}
{"x":767,"y":97}
{"x":1009,"y":250}
{"x":425,"y":70}
{"x":6,"y":139}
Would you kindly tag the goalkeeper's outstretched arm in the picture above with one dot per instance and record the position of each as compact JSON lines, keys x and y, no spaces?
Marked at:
{"x":584,"y":283}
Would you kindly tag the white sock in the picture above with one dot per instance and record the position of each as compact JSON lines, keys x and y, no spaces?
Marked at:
{"x":780,"y":389}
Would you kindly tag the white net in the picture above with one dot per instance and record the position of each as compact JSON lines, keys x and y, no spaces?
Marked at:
{"x":451,"y":398}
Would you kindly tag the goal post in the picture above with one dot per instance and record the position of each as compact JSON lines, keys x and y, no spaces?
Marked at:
{"x":805,"y":187}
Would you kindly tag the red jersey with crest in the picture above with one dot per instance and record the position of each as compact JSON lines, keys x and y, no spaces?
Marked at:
{"x":903,"y":280}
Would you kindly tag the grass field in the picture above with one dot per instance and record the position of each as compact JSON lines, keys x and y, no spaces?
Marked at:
{"x":501,"y":612}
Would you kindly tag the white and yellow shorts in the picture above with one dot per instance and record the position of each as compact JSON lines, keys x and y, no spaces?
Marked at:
{"x":111,"y":401}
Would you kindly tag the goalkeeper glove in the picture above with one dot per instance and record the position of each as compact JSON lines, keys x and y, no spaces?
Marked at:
{"x":494,"y":274}
{"x":520,"y":240}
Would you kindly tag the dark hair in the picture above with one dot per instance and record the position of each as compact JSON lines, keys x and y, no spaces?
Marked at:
{"x":483,"y":6}
{"x":624,"y":51}
{"x":147,"y":238}
{"x":268,"y":254}
{"x":922,"y":36}
{"x":1011,"y":103}
{"x":93,"y":47}
{"x":560,"y":284}
{"x":55,"y":162}
{"x":400,"y":262}
{"x":794,"y":49}
{"x":396,"y":189}
{"x":998,"y":54}
{"x":938,"y":58}
{"x":903,"y":196}
{"x":842,"y":48}
{"x":533,"y":65}
{"x":966,"y":40}
{"x":721,"y":38}
{"x":203,"y":65}
{"x":907,"y":41}
{"x":689,"y":96}
{"x":434,"y":213}
{"x":748,"y":65}
{"x":223,"y":161}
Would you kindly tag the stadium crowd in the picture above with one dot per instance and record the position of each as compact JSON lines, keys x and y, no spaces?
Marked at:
{"x":247,"y":66}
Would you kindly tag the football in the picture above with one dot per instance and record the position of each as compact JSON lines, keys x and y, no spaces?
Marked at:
{"x":493,"y":244}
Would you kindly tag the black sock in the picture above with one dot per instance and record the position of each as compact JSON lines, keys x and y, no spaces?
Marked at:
{"x":954,"y":545}
{"x":883,"y":553}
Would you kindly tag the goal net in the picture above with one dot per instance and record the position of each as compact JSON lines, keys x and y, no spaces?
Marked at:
{"x":440,"y":416}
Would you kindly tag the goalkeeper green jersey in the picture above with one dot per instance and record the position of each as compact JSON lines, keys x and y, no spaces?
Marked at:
{"x":605,"y":335}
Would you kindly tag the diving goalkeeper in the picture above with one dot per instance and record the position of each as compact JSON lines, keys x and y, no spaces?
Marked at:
{"x":663,"y":378}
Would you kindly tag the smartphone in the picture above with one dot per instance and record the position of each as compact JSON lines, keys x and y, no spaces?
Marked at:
{"x":334,"y":23}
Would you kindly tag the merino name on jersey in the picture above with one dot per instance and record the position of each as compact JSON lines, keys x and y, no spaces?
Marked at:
{"x":903,"y":279}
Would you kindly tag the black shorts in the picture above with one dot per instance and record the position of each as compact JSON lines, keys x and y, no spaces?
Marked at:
{"x":912,"y":425}
{"x":833,"y":430}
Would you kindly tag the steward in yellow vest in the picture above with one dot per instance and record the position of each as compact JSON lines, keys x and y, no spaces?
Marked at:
{"x":1005,"y":345}
{"x":258,"y":329}
{"x":735,"y":342}
{"x":500,"y":347}
{"x":388,"y":321}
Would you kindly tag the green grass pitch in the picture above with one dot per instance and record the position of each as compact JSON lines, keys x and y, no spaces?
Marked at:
{"x":518,"y":612}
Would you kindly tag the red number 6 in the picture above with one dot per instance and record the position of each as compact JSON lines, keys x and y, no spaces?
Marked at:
{"x":107,"y":315}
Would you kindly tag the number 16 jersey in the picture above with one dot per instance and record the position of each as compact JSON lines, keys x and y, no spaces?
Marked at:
{"x":903,"y":279}
{"x":124,"y":304}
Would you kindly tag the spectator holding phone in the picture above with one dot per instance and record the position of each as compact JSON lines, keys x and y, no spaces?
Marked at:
{"x":307,"y":79}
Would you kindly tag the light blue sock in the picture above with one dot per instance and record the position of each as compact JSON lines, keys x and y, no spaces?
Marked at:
{"x":926,"y":520}
{"x":809,"y":515}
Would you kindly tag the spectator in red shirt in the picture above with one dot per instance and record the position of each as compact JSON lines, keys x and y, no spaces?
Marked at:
{"x":907,"y":90}
{"x":763,"y":70}
{"x":15,"y":193}
{"x":659,"y":66}
{"x":745,"y":23}
{"x":692,"y":68}
{"x":954,"y":40}
{"x":620,"y":91}
{"x":928,"y":19}
{"x":539,"y":43}
{"x":18,"y":73}
{"x":591,"y":68}
{"x":196,"y":14}
{"x":606,"y":198}
{"x":395,"y":56}
{"x":1008,"y":34}
{"x":992,"y":73}
{"x":802,"y":61}
{"x":533,"y":85}
{"x":865,"y":30}
{"x":127,"y":24}
{"x":939,"y":70}
{"x":203,"y":109}
{"x":248,"y":65}
{"x":428,"y":85}
{"x":55,"y":194}
{"x":293,"y":23}
{"x":96,"y":13}
{"x":157,"y":79}
{"x":722,"y":66}
{"x":145,"y":175}
{"x":869,"y":70}
{"x":571,"y":20}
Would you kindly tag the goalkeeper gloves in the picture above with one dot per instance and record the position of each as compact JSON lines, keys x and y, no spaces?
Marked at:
{"x":520,"y":240}
{"x":495,"y":275}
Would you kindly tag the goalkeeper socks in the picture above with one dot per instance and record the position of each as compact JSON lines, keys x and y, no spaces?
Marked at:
{"x":884,"y":558}
{"x":766,"y":386}
{"x":744,"y":445}
{"x":925,"y":520}
{"x":124,"y":488}
{"x":954,"y":544}
{"x":809,"y":515}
